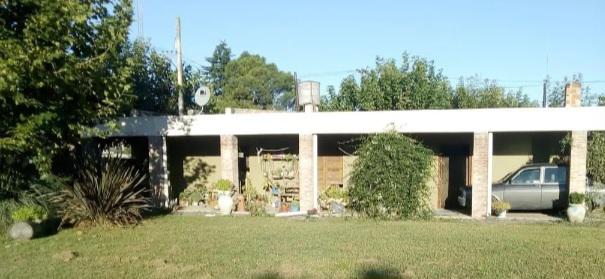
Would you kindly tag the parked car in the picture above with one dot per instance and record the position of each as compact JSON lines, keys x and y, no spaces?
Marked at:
{"x":534,"y":187}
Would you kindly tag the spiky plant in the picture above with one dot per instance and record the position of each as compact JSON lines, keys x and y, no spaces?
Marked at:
{"x":111,"y":194}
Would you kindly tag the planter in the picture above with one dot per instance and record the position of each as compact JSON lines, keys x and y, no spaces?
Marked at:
{"x":294,"y":207}
{"x":501,"y":215}
{"x":29,"y":230}
{"x":284,"y":207}
{"x":576,"y":213}
{"x":225,"y":202}
{"x":241,"y":203}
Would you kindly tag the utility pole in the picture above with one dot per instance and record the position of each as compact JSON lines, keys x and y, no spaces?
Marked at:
{"x":296,"y":92}
{"x":179,"y":66}
{"x":544,"y":97}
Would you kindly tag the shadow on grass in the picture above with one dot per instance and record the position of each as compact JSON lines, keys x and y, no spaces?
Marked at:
{"x":269,"y":275}
{"x":381,"y":272}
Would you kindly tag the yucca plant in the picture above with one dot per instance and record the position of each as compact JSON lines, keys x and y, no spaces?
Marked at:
{"x":112,"y":194}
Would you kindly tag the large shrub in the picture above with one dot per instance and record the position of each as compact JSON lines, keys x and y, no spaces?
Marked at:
{"x":389,"y":178}
{"x":112,"y":194}
{"x":596,"y":156}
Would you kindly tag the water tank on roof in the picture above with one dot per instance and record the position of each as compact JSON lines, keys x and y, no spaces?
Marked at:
{"x":308,"y":93}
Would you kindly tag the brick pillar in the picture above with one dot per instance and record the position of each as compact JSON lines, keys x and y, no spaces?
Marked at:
{"x":229,"y":159}
{"x":577,"y":161}
{"x":158,"y":171}
{"x":479,"y":174}
{"x":573,"y":94}
{"x":305,"y":173}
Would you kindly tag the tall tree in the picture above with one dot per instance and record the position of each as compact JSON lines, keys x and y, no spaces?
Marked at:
{"x":251,"y":82}
{"x":476,"y":93}
{"x":62,"y":71}
{"x":215,"y":73}
{"x":415,"y":84}
{"x":154,"y":79}
{"x":556,"y":92}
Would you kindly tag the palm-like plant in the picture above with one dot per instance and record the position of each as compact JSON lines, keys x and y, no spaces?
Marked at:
{"x":112,"y":194}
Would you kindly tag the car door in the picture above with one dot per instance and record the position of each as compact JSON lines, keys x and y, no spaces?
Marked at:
{"x":523,"y":191}
{"x":554,"y":187}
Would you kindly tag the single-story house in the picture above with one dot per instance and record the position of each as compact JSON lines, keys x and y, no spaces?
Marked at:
{"x":311,"y":150}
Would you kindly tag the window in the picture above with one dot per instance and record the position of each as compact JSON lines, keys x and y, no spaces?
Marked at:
{"x":527,"y":176}
{"x":555,"y":175}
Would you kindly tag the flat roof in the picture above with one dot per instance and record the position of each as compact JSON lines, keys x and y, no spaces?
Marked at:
{"x":367,"y":122}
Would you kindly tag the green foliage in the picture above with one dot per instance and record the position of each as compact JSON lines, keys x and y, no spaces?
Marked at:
{"x":223,"y":185}
{"x":415,"y":84}
{"x":154,"y":79}
{"x":595,"y":165}
{"x":389,"y":177}
{"x":215,"y":73}
{"x":334,"y":192}
{"x":29,"y":213}
{"x":250,"y":82}
{"x":576,"y":198}
{"x":6,"y":209}
{"x":111,"y":194}
{"x":62,"y":71}
{"x":500,"y":207}
{"x":474,"y":93}
{"x":556,"y":92}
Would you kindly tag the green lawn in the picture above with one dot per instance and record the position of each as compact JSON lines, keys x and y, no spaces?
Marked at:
{"x":247,"y":247}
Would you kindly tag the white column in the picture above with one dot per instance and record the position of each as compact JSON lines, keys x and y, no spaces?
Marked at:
{"x":490,"y":161}
{"x":229,"y":159}
{"x":158,"y":171}
{"x":305,"y":171}
{"x":315,"y":175}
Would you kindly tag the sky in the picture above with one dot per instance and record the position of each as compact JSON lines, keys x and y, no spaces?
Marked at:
{"x":516,"y":43}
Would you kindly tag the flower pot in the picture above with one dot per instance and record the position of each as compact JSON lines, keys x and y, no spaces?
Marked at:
{"x":225,"y":202}
{"x":576,"y":213}
{"x":29,"y":230}
{"x":501,"y":214}
{"x":294,"y":207}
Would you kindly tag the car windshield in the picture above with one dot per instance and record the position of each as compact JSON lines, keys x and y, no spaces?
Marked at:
{"x":527,"y":176}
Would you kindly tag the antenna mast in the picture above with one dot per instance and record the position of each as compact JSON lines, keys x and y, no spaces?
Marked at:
{"x":179,"y":66}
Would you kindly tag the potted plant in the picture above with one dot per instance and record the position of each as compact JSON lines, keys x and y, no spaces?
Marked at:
{"x":30,"y":221}
{"x":576,"y":210}
{"x":334,"y":198}
{"x":225,"y":201}
{"x":500,"y":208}
{"x":295,"y":206}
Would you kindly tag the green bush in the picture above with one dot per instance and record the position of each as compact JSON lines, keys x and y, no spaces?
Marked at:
{"x":389,"y":177}
{"x":29,"y":213}
{"x":576,"y":198}
{"x":6,"y":209}
{"x":223,"y":185}
{"x":500,"y":206}
{"x":113,"y":194}
{"x":595,"y":163}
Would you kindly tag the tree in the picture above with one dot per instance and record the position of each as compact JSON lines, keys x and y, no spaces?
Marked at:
{"x":474,"y":93}
{"x":556,"y":92}
{"x":62,"y":71}
{"x":415,"y":84}
{"x":250,"y":82}
{"x":215,"y":73}
{"x":154,"y":79}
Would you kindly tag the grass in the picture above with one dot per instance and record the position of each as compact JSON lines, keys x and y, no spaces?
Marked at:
{"x":247,"y":247}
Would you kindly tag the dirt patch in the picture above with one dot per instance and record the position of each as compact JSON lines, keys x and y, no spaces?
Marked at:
{"x":66,"y":256}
